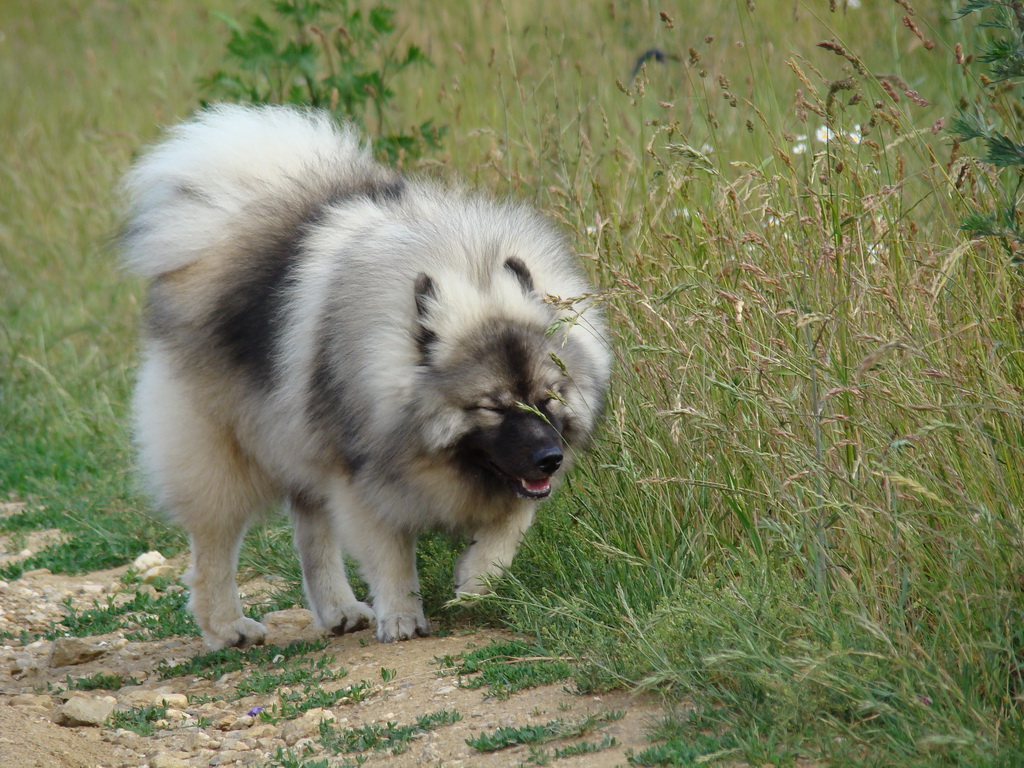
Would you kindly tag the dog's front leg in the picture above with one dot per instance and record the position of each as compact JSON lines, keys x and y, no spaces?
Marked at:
{"x":491,"y":550}
{"x":387,"y":560}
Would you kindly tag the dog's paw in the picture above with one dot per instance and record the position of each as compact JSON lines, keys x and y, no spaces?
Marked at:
{"x":240,"y":633}
{"x":471,"y":585}
{"x":351,"y":617}
{"x":401,"y":626}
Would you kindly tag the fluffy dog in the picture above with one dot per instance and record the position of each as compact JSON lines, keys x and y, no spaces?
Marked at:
{"x":387,"y":355}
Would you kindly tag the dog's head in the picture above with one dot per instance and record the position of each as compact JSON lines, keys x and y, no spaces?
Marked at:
{"x":503,"y":398}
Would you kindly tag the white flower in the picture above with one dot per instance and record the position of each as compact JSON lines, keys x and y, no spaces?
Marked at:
{"x":799,"y":149}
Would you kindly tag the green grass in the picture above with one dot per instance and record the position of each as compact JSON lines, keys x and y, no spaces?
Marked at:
{"x":142,"y":720}
{"x":803,"y":513}
{"x":386,"y":737}
{"x":215,"y":664}
{"x":312,"y":696}
{"x":144,"y":616}
{"x":505,"y":667}
{"x":512,"y":736}
{"x":101,"y":681}
{"x":541,"y":756}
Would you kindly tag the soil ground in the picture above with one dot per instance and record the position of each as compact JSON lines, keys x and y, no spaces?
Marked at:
{"x":207,"y":724}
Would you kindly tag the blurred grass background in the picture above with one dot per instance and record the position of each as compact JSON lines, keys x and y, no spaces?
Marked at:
{"x":802,"y":519}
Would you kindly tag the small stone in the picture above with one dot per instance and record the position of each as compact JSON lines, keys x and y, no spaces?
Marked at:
{"x":263,"y":730}
{"x":85,"y":711}
{"x":304,"y":726}
{"x":23,"y":666}
{"x":126,"y":738}
{"x":67,"y":651}
{"x":241,"y":723}
{"x":164,"y":760}
{"x":288,"y":622}
{"x":195,"y":740}
{"x":30,"y":700}
{"x":144,"y":562}
{"x":148,"y":589}
{"x":157,"y":572}
{"x":172,"y":700}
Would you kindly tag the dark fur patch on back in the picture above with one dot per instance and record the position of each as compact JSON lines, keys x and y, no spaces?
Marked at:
{"x":387,"y":190}
{"x":248,"y":313}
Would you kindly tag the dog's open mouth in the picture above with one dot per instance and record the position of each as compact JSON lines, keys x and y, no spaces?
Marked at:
{"x":533,"y":489}
{"x":524,"y":488}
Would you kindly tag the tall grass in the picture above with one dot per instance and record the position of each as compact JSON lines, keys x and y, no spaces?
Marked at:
{"x":803,"y":515}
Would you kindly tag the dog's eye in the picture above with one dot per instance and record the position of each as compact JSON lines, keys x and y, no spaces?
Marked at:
{"x":550,"y":396}
{"x":487,"y":408}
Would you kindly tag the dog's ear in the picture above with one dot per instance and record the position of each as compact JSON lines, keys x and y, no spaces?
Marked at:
{"x":425,"y":294}
{"x":521,"y":273}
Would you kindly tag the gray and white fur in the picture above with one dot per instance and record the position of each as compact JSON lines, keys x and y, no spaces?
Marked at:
{"x":387,"y":355}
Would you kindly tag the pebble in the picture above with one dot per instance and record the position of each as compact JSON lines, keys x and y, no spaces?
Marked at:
{"x":85,"y":711}
{"x":148,"y":560}
{"x":166,"y":760}
{"x":68,"y":651}
{"x":30,"y":700}
{"x":157,"y":572}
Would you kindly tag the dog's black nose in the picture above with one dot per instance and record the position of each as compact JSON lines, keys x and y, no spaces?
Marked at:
{"x":548,"y":459}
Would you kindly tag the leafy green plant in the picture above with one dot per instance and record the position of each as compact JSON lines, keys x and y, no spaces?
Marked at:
{"x":216,"y":663}
{"x":330,"y":54}
{"x":312,"y":696}
{"x":306,"y":672}
{"x":101,"y":681}
{"x":505,"y":667}
{"x":541,"y":756}
{"x":505,"y":737}
{"x":992,"y":118}
{"x":146,"y":617}
{"x":93,"y":541}
{"x":390,"y":737}
{"x":142,"y":720}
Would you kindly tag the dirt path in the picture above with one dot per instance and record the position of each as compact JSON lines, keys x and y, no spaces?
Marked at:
{"x":209,"y":723}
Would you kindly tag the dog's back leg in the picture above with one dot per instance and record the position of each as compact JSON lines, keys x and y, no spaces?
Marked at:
{"x":199,"y":474}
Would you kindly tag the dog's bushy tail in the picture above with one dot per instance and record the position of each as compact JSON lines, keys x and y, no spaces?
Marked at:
{"x":196,"y":188}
